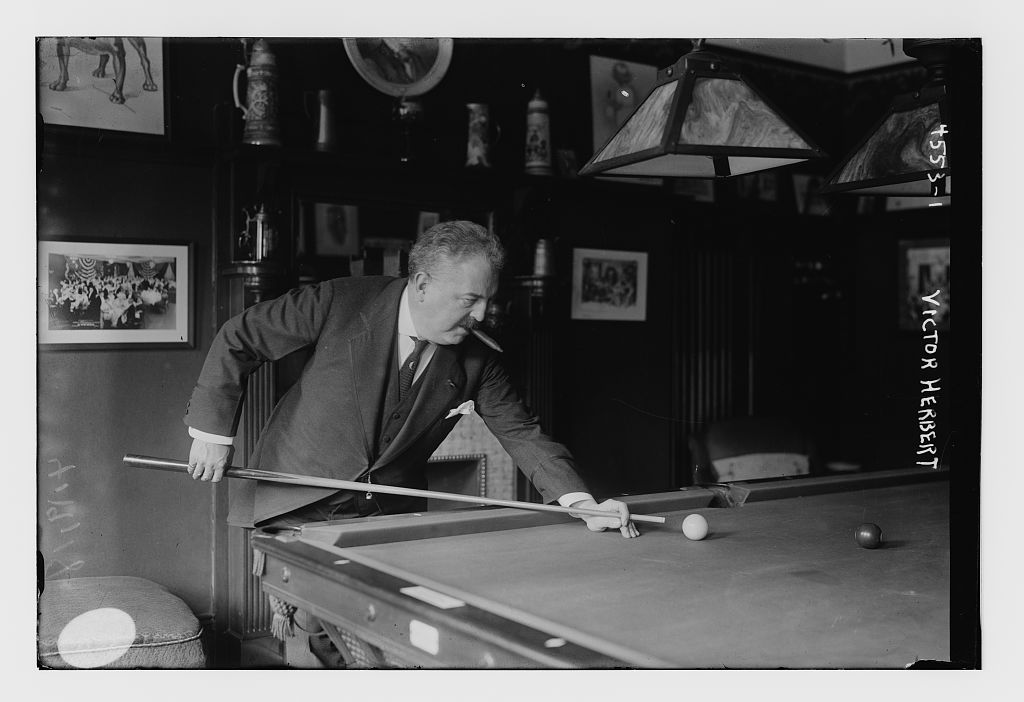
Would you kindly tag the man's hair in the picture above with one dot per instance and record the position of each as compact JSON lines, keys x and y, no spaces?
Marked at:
{"x":454,"y":241}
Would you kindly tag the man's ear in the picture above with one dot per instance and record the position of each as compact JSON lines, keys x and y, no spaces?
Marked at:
{"x":420,"y":282}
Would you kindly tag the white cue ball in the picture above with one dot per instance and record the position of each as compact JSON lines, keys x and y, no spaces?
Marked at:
{"x":695,"y":527}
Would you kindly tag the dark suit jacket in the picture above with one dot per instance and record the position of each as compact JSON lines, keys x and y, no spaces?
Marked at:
{"x":324,"y":425}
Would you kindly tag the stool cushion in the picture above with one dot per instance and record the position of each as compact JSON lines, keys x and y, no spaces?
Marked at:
{"x":116,"y":622}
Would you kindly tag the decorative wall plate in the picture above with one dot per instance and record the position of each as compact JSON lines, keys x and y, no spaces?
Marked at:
{"x":400,"y":66}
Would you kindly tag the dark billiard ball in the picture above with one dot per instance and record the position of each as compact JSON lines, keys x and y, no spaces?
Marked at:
{"x":868,"y":535}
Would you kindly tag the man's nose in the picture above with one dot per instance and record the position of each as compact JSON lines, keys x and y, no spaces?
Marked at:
{"x":479,"y":311}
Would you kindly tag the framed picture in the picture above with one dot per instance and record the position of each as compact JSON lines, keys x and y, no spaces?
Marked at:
{"x":805,"y":190}
{"x":426,"y":221}
{"x":758,"y":186}
{"x":328,"y":228}
{"x":115,"y":294}
{"x":78,"y":85}
{"x":616,"y":89}
{"x":609,"y":285}
{"x":924,"y":269}
{"x":399,"y":66}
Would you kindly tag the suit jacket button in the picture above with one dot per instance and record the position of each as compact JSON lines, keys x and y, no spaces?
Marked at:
{"x":387,"y":439}
{"x":396,"y":415}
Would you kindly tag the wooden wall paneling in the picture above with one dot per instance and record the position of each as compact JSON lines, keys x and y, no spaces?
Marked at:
{"x":715,"y":342}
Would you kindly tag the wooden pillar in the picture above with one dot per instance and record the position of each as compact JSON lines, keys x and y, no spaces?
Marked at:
{"x":248,"y":610}
{"x":530,"y":351}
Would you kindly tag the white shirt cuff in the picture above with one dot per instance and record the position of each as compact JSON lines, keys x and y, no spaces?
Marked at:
{"x":210,"y":438}
{"x":571,"y":498}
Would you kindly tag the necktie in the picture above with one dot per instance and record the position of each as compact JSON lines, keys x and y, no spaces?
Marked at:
{"x":408,"y":371}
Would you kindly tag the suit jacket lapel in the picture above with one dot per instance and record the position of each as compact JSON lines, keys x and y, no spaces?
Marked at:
{"x":366,"y":349}
{"x":442,"y":383}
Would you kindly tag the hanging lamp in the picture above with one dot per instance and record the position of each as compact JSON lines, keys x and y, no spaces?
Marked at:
{"x":701,"y":120}
{"x":907,"y":152}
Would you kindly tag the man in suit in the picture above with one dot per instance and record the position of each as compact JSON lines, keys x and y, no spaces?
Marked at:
{"x":391,"y":357}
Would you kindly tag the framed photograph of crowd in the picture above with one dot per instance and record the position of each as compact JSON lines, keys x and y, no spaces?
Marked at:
{"x":610,"y":285}
{"x":114,"y":294}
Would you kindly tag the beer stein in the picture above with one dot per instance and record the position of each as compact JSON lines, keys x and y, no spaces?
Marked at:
{"x":258,"y":238}
{"x":325,"y":130}
{"x":261,"y":122}
{"x":321,"y":110}
{"x":544,"y":258}
{"x":538,"y":137}
{"x":478,"y":141}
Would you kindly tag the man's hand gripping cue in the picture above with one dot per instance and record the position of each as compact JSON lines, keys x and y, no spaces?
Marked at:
{"x":618,"y":517}
{"x":207,"y":461}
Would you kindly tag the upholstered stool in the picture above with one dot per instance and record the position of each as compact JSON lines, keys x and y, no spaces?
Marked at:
{"x":116,"y":622}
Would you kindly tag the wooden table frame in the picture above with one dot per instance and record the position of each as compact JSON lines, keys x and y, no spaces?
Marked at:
{"x":374,"y":605}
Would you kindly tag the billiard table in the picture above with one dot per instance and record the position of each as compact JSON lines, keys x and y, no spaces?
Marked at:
{"x":779,"y":581}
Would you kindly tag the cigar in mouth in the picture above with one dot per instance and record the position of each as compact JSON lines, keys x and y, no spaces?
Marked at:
{"x":486,"y":339}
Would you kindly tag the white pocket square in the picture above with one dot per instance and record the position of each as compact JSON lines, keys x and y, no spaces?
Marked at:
{"x":465,"y":408}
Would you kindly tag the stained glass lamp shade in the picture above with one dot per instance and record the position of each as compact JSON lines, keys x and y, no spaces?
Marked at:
{"x":906,"y":153}
{"x":701,"y":121}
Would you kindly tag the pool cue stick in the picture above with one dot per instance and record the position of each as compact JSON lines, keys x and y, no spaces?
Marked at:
{"x":313,"y":481}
